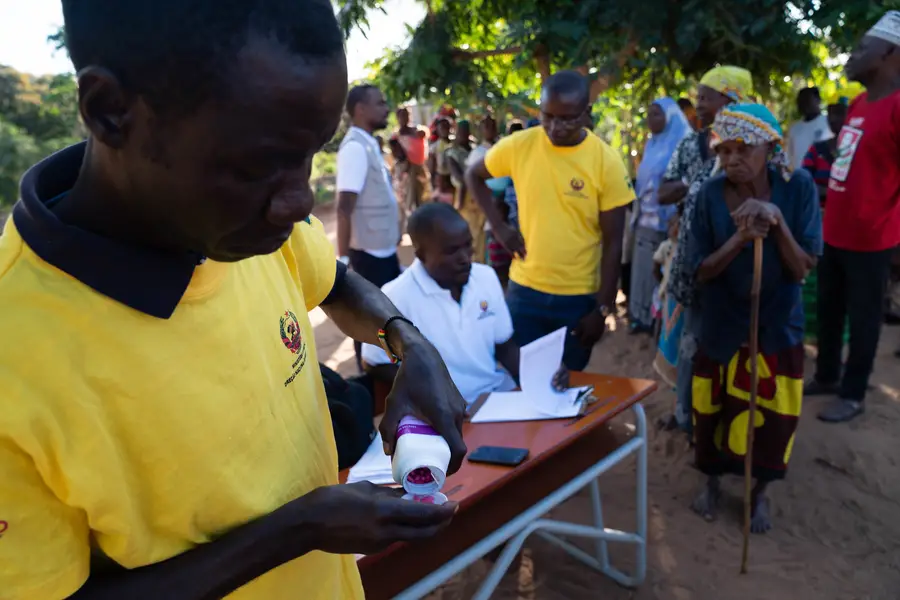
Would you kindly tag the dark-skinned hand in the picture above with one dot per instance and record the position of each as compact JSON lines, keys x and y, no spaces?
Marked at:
{"x":423,"y":389}
{"x":362,"y":518}
{"x":561,"y":379}
{"x":755,"y":229}
{"x":590,"y":329}
{"x":756,"y":210}
{"x":511,"y":239}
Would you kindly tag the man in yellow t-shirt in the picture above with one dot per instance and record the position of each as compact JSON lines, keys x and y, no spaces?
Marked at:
{"x":572,"y":190}
{"x":164,"y":431}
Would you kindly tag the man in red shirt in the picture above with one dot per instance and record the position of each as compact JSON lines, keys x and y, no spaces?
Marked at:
{"x":862,"y":223}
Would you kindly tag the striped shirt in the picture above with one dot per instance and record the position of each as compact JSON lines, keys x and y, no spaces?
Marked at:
{"x":818,"y":162}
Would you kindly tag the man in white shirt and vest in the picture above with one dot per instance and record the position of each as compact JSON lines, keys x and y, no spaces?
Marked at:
{"x":368,"y":220}
{"x":459,"y":307}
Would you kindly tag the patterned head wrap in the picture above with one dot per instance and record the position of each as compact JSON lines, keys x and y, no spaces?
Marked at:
{"x":734,"y":82}
{"x":752,"y":124}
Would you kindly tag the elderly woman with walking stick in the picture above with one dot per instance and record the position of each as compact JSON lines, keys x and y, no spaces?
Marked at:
{"x":753,"y":200}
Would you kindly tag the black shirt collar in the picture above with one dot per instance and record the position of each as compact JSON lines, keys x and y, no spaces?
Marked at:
{"x":148,"y":280}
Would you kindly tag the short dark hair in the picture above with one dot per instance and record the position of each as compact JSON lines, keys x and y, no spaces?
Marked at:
{"x":424,"y":221}
{"x":358,"y":94}
{"x":684,"y":103}
{"x":809,"y":91}
{"x":514,"y":126}
{"x":569,"y":83}
{"x":175,"y":53}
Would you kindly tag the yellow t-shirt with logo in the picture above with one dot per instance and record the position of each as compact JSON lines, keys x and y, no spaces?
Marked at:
{"x":143,"y":437}
{"x":561,"y":192}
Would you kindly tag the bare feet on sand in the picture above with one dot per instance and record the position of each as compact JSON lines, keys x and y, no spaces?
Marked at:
{"x":760,"y":521}
{"x":707,"y":502}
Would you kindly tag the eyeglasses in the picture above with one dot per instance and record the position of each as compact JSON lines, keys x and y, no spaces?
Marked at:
{"x":562,"y":120}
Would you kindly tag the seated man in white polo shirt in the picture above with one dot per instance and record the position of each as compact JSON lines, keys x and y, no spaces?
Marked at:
{"x":457,"y":305}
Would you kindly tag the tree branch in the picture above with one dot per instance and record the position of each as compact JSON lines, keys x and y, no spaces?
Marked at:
{"x":473,"y":54}
{"x":606,"y":75}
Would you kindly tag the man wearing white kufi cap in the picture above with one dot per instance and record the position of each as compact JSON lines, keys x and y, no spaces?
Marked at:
{"x":861,"y":223}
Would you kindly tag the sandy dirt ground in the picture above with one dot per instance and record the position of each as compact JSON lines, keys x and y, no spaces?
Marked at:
{"x":837,"y":515}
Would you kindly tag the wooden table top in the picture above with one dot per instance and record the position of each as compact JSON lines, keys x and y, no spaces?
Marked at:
{"x":491,"y":495}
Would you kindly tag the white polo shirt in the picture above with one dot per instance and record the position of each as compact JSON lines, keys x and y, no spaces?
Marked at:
{"x":465,"y":333}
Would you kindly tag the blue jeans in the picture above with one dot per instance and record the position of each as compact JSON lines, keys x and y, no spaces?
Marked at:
{"x":536,"y":314}
{"x":684,"y":414}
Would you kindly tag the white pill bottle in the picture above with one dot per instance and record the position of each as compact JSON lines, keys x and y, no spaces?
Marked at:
{"x":420,"y":461}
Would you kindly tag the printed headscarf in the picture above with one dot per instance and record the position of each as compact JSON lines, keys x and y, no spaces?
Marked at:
{"x":752,"y":124}
{"x":734,"y":82}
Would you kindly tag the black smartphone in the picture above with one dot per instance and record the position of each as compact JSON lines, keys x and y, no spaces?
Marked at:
{"x":499,"y":455}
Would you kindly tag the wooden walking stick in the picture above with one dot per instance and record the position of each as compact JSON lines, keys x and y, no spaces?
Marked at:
{"x":754,"y":384}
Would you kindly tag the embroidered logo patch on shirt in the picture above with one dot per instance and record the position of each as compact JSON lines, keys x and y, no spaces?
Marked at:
{"x":485,"y":310}
{"x":293,"y":341}
{"x":576,"y":185}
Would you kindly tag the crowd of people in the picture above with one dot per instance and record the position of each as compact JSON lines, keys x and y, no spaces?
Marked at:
{"x":164,"y":430}
{"x":573,"y":229}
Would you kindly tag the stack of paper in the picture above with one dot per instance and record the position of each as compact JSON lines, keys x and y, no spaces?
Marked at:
{"x":538,"y":363}
{"x":374,"y":466}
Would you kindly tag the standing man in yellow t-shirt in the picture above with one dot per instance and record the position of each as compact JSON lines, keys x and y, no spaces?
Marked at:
{"x":572,"y":190}
{"x":164,"y":431}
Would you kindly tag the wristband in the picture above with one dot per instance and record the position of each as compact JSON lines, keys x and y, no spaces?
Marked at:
{"x":382,"y":337}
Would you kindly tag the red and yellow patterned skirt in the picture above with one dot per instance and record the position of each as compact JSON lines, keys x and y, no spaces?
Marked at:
{"x":721,"y":401}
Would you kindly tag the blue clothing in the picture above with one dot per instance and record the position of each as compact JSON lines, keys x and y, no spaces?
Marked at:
{"x":536,"y":314}
{"x":670,"y":341}
{"x":725,"y":300}
{"x":684,"y":386}
{"x":512,"y":202}
{"x":657,"y":153}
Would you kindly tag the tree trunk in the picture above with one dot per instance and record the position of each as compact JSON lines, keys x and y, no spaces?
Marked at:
{"x":542,"y":58}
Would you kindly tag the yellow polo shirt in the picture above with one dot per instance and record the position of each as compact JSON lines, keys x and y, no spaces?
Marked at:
{"x":561,"y":192}
{"x":141,"y":437}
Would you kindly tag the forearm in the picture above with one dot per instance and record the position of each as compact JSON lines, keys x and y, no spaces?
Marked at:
{"x":714,"y":264}
{"x":481,"y":193}
{"x":343,"y":234}
{"x":360,"y":309}
{"x":213,"y":570}
{"x":507,"y":354}
{"x":345,"y":206}
{"x":797,"y":261}
{"x":671,"y":192}
{"x":610,"y":270}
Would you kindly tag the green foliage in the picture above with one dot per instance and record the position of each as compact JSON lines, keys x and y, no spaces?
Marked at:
{"x":38,"y":115}
{"x":18,"y":151}
{"x":490,"y":50}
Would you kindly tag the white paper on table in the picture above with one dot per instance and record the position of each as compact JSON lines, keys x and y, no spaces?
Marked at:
{"x":520,"y":406}
{"x":538,"y":363}
{"x":374,"y":465}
